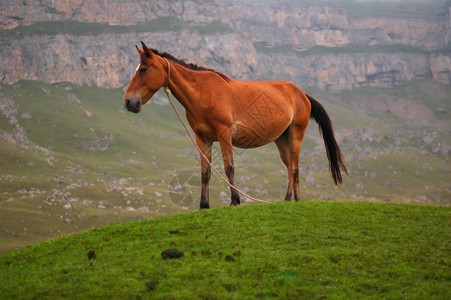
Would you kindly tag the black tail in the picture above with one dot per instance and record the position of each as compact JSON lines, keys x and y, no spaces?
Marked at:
{"x":333,"y":151}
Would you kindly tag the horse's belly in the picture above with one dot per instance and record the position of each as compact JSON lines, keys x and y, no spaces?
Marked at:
{"x":247,"y":135}
{"x":261,"y":121}
{"x":244,"y":137}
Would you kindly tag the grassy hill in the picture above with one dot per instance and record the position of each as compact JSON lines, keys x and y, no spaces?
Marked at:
{"x":72,"y":158}
{"x":282,"y":250}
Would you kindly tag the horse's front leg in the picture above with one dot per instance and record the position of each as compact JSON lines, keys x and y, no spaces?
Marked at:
{"x":225,"y":142}
{"x":205,"y":171}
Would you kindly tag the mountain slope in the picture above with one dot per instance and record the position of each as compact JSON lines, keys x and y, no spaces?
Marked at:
{"x":76,"y":159}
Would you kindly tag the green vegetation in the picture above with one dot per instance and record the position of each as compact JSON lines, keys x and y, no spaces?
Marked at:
{"x":430,"y":8}
{"x":283,"y":250}
{"x":55,"y":166}
{"x":319,"y":50}
{"x":356,"y":8}
{"x":369,"y":49}
{"x":81,"y":28}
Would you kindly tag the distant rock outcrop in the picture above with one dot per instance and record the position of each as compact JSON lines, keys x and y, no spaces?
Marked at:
{"x":311,"y":45}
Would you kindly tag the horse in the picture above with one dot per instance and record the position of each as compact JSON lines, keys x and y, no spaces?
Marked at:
{"x":244,"y":114}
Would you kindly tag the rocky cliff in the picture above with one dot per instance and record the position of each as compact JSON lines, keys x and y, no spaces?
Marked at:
{"x":329,"y":46}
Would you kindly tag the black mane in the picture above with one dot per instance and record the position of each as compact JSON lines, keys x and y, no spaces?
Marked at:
{"x":188,"y":65}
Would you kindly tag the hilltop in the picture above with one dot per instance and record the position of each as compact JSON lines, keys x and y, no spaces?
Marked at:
{"x":267,"y":251}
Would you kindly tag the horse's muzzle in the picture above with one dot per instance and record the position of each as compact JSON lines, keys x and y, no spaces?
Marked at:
{"x":133,"y":105}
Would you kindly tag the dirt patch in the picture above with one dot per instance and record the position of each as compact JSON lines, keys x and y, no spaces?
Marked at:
{"x":399,"y":106}
{"x":433,"y":90}
{"x":414,"y":111}
{"x":96,"y":145}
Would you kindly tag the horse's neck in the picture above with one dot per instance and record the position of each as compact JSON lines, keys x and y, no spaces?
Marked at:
{"x":185,"y":85}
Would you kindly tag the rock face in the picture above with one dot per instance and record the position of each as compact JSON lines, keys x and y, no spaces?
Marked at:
{"x":109,"y":60}
{"x":312,"y":45}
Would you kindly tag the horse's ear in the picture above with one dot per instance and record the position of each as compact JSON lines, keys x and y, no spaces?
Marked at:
{"x":140,"y":52}
{"x":146,"y":50}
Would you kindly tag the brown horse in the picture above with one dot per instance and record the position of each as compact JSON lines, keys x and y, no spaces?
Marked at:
{"x":243,"y":114}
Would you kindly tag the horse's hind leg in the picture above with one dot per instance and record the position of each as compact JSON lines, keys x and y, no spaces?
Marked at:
{"x":289,"y":145}
{"x":283,"y":146}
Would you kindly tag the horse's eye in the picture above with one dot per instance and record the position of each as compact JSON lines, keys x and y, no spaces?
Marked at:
{"x":142,"y":70}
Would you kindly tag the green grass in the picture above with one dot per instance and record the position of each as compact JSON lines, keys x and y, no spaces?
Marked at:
{"x":282,"y":250}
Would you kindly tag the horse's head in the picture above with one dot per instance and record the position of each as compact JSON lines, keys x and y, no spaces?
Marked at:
{"x":150,"y":75}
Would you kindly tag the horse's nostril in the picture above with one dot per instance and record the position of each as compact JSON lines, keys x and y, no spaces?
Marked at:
{"x":127,"y":102}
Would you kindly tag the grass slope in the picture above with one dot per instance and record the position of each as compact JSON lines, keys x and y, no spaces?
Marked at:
{"x":149,"y":168}
{"x":282,"y":250}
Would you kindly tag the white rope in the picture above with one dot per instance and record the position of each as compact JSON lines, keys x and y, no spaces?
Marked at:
{"x":168,"y":94}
